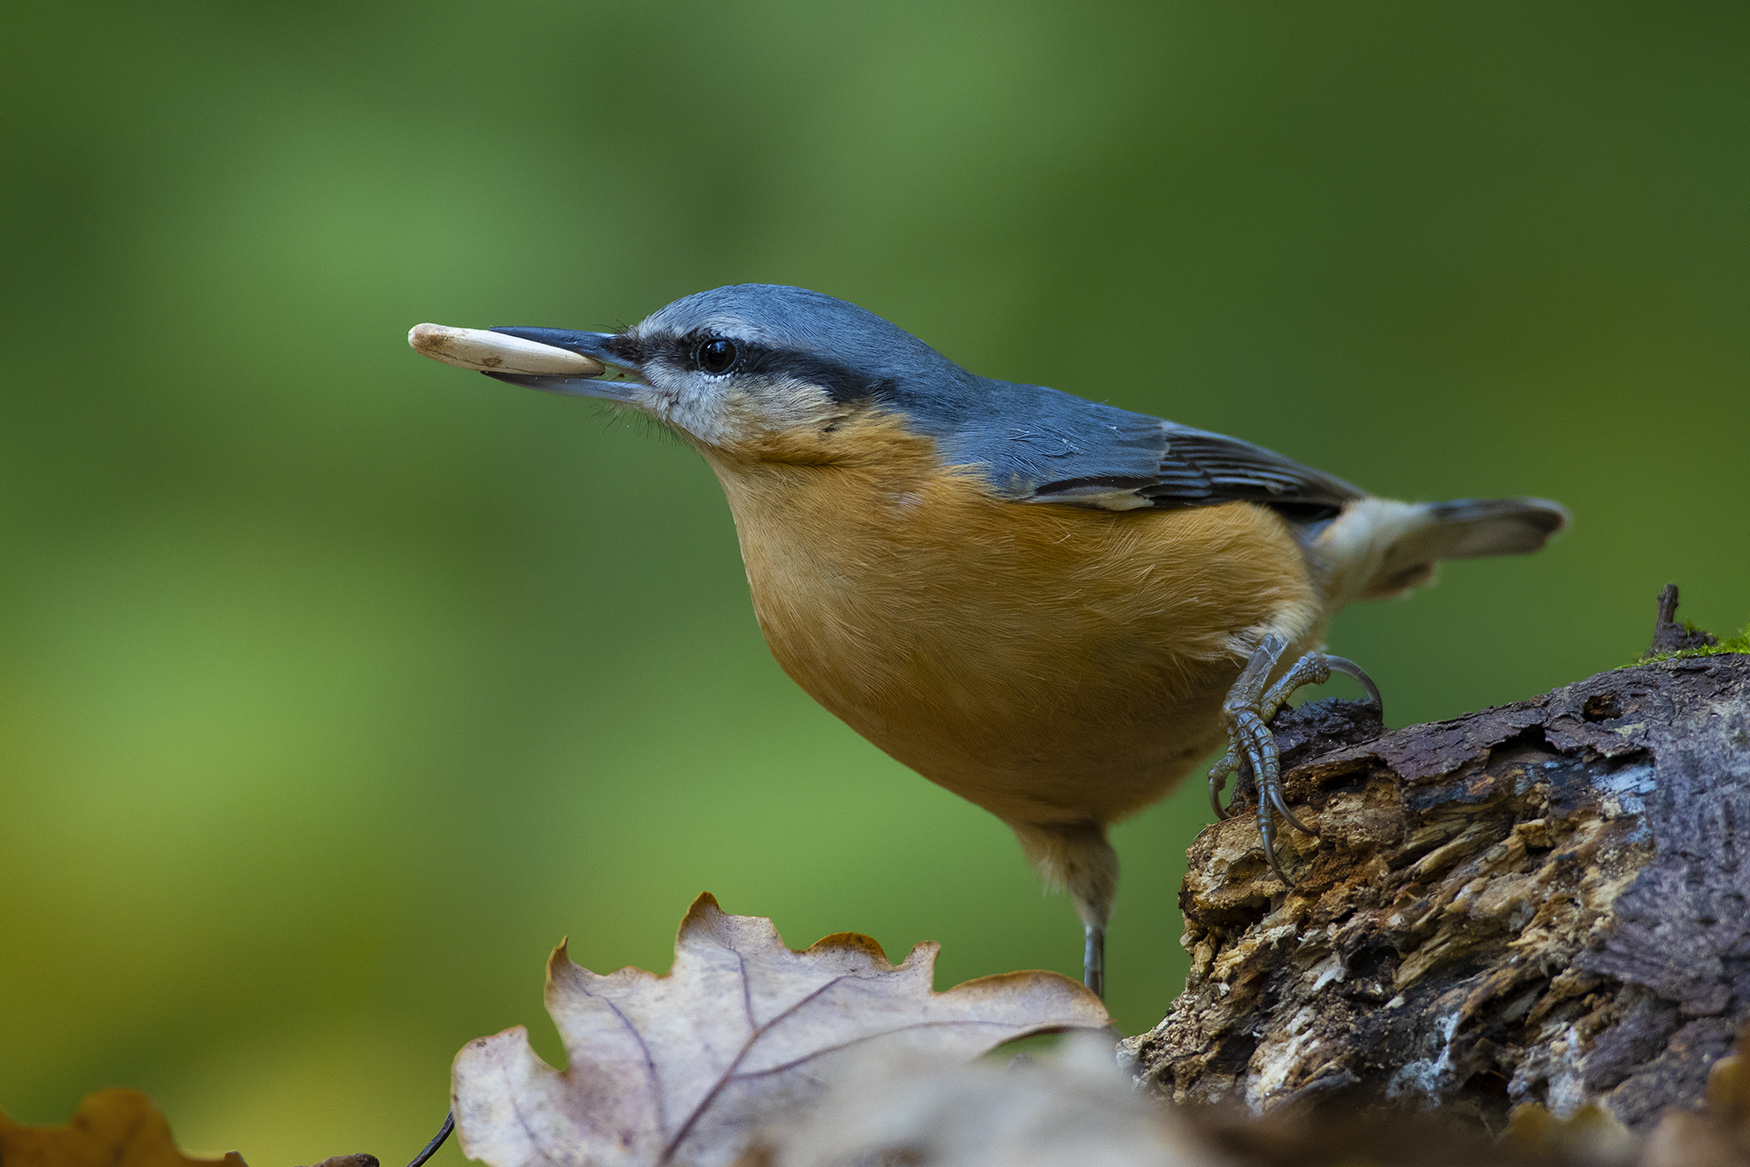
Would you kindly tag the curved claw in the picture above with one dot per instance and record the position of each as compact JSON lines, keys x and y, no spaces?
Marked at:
{"x":1217,"y":781}
{"x":1281,"y":806}
{"x":1267,"y":833}
{"x":1350,"y":669}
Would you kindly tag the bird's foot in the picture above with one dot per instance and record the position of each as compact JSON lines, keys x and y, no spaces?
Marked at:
{"x":1246,"y":713}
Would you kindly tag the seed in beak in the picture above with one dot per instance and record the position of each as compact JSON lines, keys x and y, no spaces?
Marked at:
{"x":495,"y":352}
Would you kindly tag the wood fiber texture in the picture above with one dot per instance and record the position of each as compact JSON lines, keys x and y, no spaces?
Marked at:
{"x":1543,"y":902}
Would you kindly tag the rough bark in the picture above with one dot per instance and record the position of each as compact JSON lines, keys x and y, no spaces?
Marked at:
{"x":1543,"y":902}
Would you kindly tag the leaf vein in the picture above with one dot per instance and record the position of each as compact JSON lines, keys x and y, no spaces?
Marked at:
{"x":728,"y":1075}
{"x":810,"y":1056}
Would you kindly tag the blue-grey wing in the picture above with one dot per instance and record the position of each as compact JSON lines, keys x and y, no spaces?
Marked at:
{"x":1044,"y":446}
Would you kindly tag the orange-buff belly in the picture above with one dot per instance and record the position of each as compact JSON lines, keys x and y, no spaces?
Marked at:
{"x":1052,"y":664}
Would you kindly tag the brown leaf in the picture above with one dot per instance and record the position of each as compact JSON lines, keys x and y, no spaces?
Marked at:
{"x":112,"y":1128}
{"x":742,"y":1032}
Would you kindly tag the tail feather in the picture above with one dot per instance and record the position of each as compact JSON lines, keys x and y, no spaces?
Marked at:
{"x":1379,"y":548}
{"x":1468,"y":528}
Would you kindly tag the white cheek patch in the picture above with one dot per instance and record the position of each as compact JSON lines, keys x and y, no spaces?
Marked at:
{"x":708,"y":408}
{"x":728,"y":411}
{"x":790,"y":404}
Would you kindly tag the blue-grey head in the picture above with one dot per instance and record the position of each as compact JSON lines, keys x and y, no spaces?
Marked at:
{"x":735,"y":367}
{"x":745,"y":370}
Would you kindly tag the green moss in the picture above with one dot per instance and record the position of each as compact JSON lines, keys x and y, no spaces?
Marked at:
{"x":1738,"y":643}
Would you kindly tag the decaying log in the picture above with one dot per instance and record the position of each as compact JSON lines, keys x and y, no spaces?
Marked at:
{"x":1543,"y":902}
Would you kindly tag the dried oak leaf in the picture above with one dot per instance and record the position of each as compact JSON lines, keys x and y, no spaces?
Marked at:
{"x":741,"y":1033}
{"x":112,"y":1128}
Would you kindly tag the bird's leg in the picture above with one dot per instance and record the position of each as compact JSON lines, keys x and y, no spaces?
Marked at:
{"x":1094,"y":959}
{"x":1077,"y":855}
{"x":1247,"y":711}
{"x":1247,"y":689}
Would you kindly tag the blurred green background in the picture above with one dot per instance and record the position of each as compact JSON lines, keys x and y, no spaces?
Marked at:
{"x":336,"y":686}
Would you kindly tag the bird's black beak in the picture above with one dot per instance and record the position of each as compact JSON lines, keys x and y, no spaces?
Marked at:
{"x":612,"y":383}
{"x":554,"y":360}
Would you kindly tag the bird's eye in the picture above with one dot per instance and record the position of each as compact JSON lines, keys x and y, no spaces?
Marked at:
{"x":716,"y":355}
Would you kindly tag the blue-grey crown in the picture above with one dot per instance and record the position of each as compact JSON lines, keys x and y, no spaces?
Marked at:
{"x":812,"y":325}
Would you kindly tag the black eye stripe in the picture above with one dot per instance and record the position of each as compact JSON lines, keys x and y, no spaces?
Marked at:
{"x":752,"y":359}
{"x":843,"y":384}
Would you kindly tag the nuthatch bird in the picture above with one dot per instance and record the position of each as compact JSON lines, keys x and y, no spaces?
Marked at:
{"x":1050,"y":606}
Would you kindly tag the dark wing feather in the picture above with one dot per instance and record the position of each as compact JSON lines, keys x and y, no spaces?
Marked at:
{"x":1198,"y":468}
{"x":1199,"y":465}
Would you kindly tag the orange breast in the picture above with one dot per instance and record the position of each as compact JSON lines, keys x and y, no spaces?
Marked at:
{"x":1049,"y":663}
